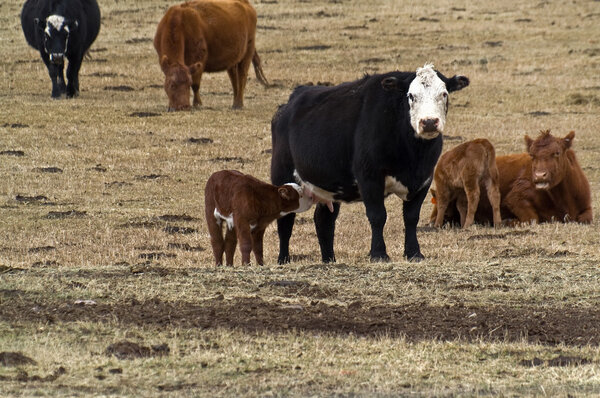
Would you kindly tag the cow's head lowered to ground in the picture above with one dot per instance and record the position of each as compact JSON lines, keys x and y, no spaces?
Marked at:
{"x":178,"y":81}
{"x":56,"y":31}
{"x":427,"y":99}
{"x":549,"y":159}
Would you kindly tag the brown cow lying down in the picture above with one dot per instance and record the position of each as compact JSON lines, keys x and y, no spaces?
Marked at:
{"x":547,"y":184}
{"x":458,"y":176}
{"x":544,"y":185}
{"x":247,"y":206}
{"x":206,"y":36}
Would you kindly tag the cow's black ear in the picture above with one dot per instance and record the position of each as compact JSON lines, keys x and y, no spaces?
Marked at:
{"x":390,"y":83}
{"x":456,"y":83}
{"x":37,"y":23}
{"x":73,"y":25}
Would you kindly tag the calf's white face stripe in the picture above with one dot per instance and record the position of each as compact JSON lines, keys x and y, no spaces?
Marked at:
{"x":427,"y":99}
{"x":305,"y":202}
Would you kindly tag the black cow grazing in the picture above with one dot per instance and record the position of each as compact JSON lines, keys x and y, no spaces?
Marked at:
{"x":361,"y":141}
{"x":61,"y":29}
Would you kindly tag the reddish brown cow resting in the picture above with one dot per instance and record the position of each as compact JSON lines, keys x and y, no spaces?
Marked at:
{"x":247,"y":206}
{"x":206,"y":36}
{"x":458,"y":176}
{"x":544,"y":185}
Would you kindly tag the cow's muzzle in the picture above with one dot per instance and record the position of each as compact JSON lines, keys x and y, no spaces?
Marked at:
{"x":57,"y":58}
{"x":429,"y":125}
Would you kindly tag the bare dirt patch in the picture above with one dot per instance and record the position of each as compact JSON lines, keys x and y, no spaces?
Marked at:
{"x":417,"y":322}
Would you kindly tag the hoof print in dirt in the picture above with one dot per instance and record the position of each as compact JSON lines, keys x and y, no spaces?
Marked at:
{"x":173,"y":229}
{"x":65,"y":214}
{"x":48,"y":170}
{"x":15,"y":359}
{"x":559,"y":361}
{"x":119,"y":88}
{"x":12,"y":153}
{"x":129,"y":350}
{"x":144,"y":114}
{"x":185,"y":247}
{"x":31,"y":199}
{"x":200,"y":140}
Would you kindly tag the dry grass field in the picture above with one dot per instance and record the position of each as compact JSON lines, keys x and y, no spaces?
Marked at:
{"x":107,"y":282}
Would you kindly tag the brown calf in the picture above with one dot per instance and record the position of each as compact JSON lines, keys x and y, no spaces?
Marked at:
{"x":247,"y":206}
{"x":206,"y":36}
{"x":458,"y":176}
{"x":546,"y":184}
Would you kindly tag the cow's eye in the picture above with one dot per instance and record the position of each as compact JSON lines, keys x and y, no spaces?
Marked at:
{"x":411,"y":97}
{"x":445,"y":95}
{"x":556,"y":154}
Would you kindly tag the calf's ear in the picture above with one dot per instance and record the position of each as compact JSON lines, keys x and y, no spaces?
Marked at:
{"x":457,"y":82}
{"x":285,"y":193}
{"x":568,"y":140}
{"x":528,"y":142}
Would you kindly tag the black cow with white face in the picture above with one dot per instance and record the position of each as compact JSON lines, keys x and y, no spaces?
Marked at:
{"x":61,"y":29}
{"x":361,"y":141}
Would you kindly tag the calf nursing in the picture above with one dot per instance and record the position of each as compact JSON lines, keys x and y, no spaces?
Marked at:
{"x":458,"y":176}
{"x":247,"y":206}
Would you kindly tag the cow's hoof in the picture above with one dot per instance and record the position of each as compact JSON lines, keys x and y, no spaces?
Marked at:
{"x":416,"y":258}
{"x":237,"y":107}
{"x":381,"y":258}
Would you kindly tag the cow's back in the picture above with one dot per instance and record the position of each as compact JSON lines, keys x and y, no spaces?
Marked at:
{"x":216,"y":33}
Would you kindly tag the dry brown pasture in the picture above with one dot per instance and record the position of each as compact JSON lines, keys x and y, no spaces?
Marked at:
{"x":106,"y":277}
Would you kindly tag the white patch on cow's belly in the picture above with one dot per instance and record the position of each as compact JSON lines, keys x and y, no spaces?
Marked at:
{"x":396,"y":187}
{"x":220,"y":218}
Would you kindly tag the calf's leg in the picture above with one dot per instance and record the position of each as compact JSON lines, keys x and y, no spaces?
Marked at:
{"x":257,"y":245}
{"x":472,"y":191}
{"x":230,"y":244}
{"x":493,"y":194}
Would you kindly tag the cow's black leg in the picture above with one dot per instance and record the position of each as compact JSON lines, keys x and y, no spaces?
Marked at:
{"x":325,"y":226}
{"x":284,"y":230}
{"x":56,"y":76}
{"x":373,"y":198}
{"x":411,"y":210}
{"x":73,"y":77}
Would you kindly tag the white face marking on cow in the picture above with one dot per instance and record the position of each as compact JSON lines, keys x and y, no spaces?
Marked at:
{"x":220,"y":218}
{"x":57,"y":21}
{"x":305,"y":202}
{"x":428,"y":103}
{"x":396,"y":187}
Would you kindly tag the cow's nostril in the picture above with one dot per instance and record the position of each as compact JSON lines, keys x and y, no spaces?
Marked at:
{"x":430,"y":125}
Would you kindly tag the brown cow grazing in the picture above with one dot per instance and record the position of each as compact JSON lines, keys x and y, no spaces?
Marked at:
{"x":458,"y":176}
{"x":247,"y":206}
{"x":547,"y":184}
{"x":206,"y":36}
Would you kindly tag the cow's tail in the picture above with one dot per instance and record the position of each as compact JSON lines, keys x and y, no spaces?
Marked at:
{"x":260,"y":75}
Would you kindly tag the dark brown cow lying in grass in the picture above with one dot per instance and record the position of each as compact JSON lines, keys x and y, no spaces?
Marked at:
{"x":458,"y":176}
{"x":206,"y":36}
{"x":544,"y":185}
{"x":247,"y":206}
